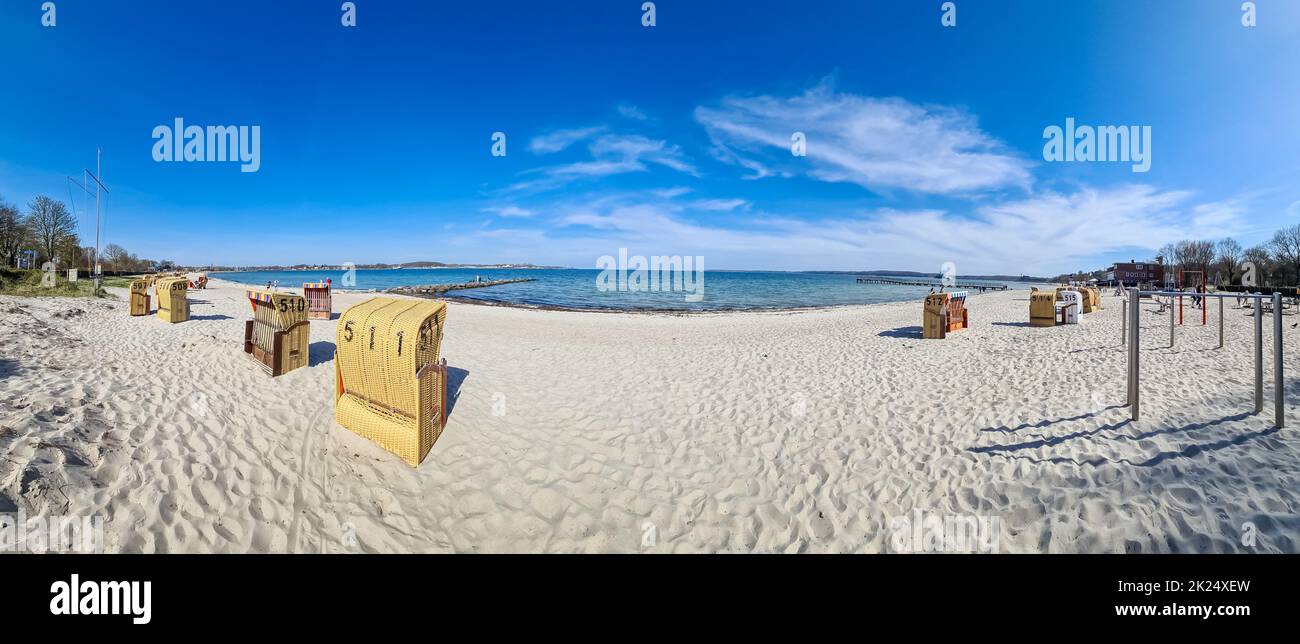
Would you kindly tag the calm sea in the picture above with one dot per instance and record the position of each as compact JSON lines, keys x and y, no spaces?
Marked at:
{"x":577,"y":288}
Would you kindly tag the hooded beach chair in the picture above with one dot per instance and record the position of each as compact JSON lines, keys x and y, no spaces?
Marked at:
{"x":390,"y":386}
{"x":1042,"y":308}
{"x":944,"y":313}
{"x":172,"y":303}
{"x":320,"y":305}
{"x":139,"y":302}
{"x":279,"y":335}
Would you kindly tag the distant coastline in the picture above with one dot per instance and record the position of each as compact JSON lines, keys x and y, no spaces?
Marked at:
{"x":369,"y":267}
{"x":1029,"y":279}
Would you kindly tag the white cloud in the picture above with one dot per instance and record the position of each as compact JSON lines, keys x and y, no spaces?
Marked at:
{"x":719,"y":205}
{"x":558,"y":140}
{"x":510,"y":211}
{"x":632,"y":112}
{"x":878,"y":143}
{"x":1293,"y":209}
{"x":1043,"y":235}
{"x":611,"y":154}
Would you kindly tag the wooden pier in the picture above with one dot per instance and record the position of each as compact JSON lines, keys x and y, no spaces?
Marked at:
{"x":962,"y":287}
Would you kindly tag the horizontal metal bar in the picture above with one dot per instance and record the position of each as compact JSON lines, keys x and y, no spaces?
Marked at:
{"x":1254,"y":296}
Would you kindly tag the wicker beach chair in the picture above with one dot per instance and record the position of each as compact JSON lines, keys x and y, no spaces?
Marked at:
{"x":320,"y":304}
{"x":1042,"y":308}
{"x":139,"y":299}
{"x":279,"y":335}
{"x":944,"y":313}
{"x":390,"y":385}
{"x":172,"y":303}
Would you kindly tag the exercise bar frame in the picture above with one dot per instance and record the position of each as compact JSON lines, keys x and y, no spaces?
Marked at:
{"x":1133,"y":323}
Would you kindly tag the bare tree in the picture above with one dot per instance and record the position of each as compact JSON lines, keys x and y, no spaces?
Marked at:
{"x":50,"y":224}
{"x":1228,"y":253}
{"x":1166,"y":261}
{"x":13,"y":233}
{"x":116,"y":257}
{"x":1286,"y":247}
{"x":1263,"y":261}
{"x":1197,"y":256}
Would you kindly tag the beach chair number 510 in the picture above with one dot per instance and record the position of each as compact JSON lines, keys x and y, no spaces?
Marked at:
{"x":301,"y":306}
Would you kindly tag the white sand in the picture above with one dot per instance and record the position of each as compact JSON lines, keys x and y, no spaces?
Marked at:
{"x":597,"y":432}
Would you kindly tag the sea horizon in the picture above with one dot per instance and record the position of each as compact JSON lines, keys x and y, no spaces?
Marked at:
{"x":578,"y":288}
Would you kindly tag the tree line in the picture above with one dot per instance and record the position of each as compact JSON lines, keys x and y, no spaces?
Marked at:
{"x":1276,"y":261}
{"x":50,"y":229}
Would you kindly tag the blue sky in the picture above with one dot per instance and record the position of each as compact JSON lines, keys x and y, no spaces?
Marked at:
{"x":924,"y":143}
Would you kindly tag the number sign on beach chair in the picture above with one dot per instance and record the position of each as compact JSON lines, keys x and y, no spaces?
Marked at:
{"x":944,"y":312}
{"x":1042,"y":308}
{"x":172,"y":303}
{"x":279,"y":333}
{"x":390,"y":386}
{"x":1068,"y":305}
{"x":320,"y":305}
{"x":139,"y":303}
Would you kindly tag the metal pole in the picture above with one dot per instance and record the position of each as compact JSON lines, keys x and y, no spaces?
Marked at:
{"x":1171,"y":319}
{"x":1133,"y":366}
{"x":1279,"y":414}
{"x":1123,"y":322}
{"x":1259,"y":355}
{"x":98,"y":171}
{"x":1220,"y":322}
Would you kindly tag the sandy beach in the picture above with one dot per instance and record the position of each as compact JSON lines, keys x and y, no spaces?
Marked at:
{"x":805,"y":431}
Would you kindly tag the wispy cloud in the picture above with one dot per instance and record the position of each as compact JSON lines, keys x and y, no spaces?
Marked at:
{"x":632,"y":112}
{"x":878,"y":143}
{"x":510,"y":211}
{"x":719,"y":205}
{"x":1044,"y":234}
{"x":611,"y":154}
{"x":558,"y":140}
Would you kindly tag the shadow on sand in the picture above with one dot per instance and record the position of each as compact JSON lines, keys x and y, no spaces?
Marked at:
{"x":909,"y":332}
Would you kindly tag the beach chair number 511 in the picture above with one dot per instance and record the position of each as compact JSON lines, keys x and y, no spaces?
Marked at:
{"x":425,"y":333}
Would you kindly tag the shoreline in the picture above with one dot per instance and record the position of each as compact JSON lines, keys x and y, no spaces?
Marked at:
{"x":637,"y":311}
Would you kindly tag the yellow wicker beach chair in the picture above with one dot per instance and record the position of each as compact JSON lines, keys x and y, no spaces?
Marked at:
{"x":139,"y":304}
{"x":1042,"y":308}
{"x":279,"y":334}
{"x":390,"y":386}
{"x":172,"y":303}
{"x":1094,"y":300}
